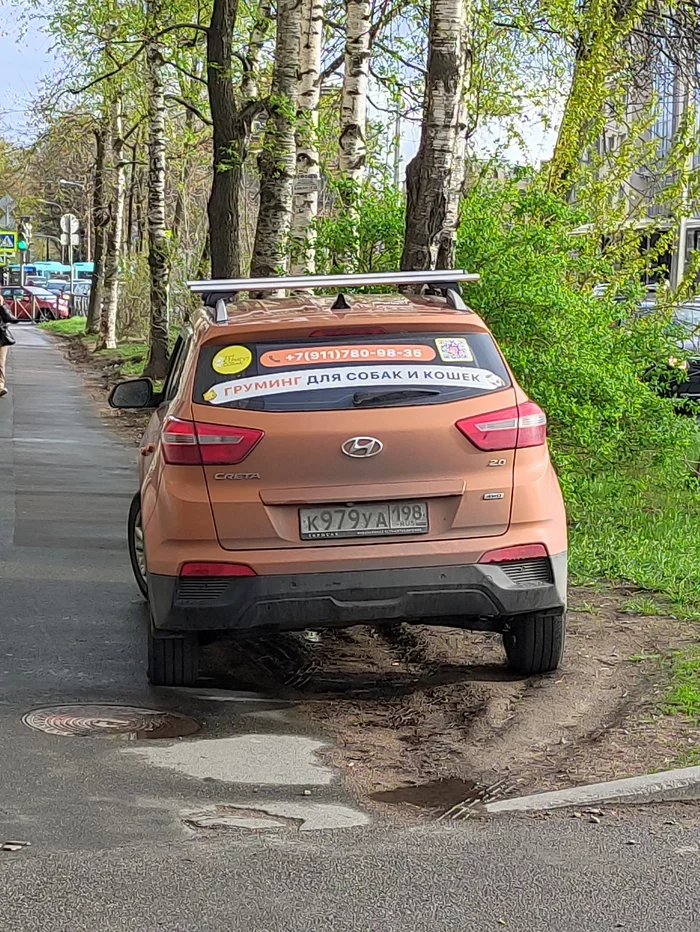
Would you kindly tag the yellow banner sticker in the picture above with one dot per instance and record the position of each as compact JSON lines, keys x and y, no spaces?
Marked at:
{"x":231,"y":360}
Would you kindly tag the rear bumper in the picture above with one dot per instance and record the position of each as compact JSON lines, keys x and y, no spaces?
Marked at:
{"x":477,"y":596}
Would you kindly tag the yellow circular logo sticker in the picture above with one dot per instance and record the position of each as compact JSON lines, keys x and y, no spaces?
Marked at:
{"x":231,"y":360}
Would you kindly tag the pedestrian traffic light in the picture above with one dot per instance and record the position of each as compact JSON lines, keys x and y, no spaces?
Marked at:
{"x":24,"y":233}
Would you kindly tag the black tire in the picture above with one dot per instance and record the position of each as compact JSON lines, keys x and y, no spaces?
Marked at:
{"x":172,"y":661}
{"x":535,"y":643}
{"x":133,"y":528}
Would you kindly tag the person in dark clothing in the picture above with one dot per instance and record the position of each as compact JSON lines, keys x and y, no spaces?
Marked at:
{"x":5,"y":319}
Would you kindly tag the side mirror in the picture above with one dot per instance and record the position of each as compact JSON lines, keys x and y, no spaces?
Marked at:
{"x":136,"y":393}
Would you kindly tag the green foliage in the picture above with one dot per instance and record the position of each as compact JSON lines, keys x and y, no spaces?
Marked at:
{"x":624,"y":456}
{"x":377,"y":235}
{"x":566,"y":347}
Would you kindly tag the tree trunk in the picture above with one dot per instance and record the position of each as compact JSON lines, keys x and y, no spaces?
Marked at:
{"x":158,"y":246}
{"x":431,"y":175}
{"x":353,"y":103}
{"x":108,"y":324}
{"x":100,"y":214}
{"x":131,"y":200}
{"x":277,"y":161}
{"x":305,"y":208}
{"x":261,"y":27}
{"x":605,"y":24}
{"x":224,"y":199}
{"x":447,"y":240}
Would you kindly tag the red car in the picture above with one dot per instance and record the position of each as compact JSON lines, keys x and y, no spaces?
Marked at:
{"x":30,"y":302}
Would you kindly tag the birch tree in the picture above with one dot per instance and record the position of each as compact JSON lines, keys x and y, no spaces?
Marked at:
{"x":277,"y":161}
{"x":158,"y":246}
{"x":308,"y":170}
{"x":108,"y":325}
{"x":353,"y":101}
{"x":433,"y":175}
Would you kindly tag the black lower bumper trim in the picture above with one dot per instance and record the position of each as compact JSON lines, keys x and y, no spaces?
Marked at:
{"x":469,"y":596}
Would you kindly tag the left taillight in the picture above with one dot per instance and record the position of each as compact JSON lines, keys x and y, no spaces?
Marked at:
{"x":188,"y":444}
{"x":523,"y":425}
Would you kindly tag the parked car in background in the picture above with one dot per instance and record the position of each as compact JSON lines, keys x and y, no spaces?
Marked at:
{"x":30,"y":302}
{"x":58,"y":286}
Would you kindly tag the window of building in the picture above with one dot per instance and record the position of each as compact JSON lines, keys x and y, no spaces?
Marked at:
{"x":664,"y":94}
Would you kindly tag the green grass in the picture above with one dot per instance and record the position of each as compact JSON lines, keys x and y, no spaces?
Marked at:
{"x":67,"y":328}
{"x":130,"y":356}
{"x":684,"y":696}
{"x":643,"y":605}
{"x":643,"y":531}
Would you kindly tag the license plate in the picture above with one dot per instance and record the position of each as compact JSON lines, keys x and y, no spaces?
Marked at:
{"x":376,"y":519}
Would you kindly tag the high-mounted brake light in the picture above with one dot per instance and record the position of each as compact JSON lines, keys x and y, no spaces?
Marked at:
{"x":523,"y":425}
{"x":519,"y":552}
{"x":348,"y":332}
{"x":189,"y":444}
{"x":209,"y":570}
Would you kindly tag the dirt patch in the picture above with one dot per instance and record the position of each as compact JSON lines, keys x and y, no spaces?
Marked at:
{"x":416,"y":706}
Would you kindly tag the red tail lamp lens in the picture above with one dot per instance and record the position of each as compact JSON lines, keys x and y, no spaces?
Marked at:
{"x":519,"y":552}
{"x":209,"y":570}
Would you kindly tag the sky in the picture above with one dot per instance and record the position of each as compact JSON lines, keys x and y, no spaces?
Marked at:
{"x":24,"y":61}
{"x":26,"y":58}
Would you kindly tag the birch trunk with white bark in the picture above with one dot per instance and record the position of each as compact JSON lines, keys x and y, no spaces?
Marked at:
{"x":308,"y":179}
{"x":158,"y":245}
{"x":353,"y":102}
{"x":108,"y":324}
{"x":435,"y":175}
{"x":277,"y":161}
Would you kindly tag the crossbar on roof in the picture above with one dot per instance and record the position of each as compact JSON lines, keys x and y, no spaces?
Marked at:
{"x":362,"y":280}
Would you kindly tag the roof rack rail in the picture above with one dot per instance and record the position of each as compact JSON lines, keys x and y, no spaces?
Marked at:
{"x":436,"y":277}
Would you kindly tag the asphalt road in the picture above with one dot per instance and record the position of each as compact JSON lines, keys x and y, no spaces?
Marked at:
{"x":109,"y":850}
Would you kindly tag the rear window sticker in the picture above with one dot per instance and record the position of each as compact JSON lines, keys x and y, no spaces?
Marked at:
{"x":353,"y":377}
{"x":232,"y":359}
{"x":454,"y":349}
{"x":313,"y":355}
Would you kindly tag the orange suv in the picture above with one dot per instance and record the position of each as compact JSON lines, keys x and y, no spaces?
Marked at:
{"x":320,"y":462}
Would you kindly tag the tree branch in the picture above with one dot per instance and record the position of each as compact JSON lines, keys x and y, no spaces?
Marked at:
{"x":191,"y":107}
{"x":189,"y":74}
{"x":108,"y":74}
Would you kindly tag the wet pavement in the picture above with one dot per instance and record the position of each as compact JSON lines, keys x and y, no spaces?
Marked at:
{"x":168,"y":832}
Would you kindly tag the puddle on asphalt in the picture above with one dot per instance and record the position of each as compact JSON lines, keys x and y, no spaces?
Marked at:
{"x":439,"y":795}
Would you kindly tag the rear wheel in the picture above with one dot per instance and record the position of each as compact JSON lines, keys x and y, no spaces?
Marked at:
{"x":172,"y":661}
{"x":535,"y":643}
{"x":137,"y":552}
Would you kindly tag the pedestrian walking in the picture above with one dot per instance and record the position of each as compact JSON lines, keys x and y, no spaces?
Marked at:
{"x":6,"y":341}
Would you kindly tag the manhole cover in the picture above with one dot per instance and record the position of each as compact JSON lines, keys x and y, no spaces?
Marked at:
{"x":81,"y":721}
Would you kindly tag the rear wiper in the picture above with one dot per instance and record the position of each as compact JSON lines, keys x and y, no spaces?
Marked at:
{"x":365,"y":399}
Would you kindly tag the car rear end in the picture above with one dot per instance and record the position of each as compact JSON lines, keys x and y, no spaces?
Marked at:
{"x":343,"y":469}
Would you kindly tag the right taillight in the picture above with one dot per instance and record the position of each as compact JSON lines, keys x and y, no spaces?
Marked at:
{"x":188,"y":444}
{"x":523,"y":425}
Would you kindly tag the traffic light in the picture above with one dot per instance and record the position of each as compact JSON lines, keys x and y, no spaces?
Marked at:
{"x":24,"y":233}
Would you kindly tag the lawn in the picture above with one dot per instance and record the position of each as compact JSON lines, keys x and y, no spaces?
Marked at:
{"x":129,"y":358}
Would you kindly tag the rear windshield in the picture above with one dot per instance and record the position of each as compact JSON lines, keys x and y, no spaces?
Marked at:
{"x":338,"y":373}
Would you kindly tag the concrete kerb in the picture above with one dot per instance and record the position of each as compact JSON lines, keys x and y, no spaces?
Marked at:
{"x":665,"y":787}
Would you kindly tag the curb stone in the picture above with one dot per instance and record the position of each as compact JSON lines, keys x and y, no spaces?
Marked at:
{"x":665,"y":787}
